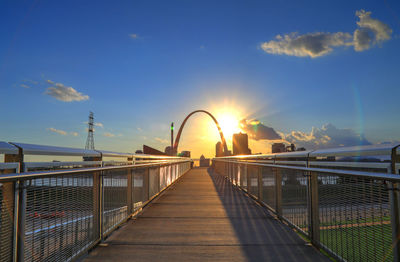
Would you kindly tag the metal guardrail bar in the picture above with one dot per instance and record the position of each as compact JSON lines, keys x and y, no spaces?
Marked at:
{"x":354,"y":215}
{"x":383,"y":176}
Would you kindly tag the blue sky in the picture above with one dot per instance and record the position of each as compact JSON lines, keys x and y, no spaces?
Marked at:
{"x":139,"y":65}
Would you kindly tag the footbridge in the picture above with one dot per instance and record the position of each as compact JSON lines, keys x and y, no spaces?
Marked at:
{"x":336,"y":204}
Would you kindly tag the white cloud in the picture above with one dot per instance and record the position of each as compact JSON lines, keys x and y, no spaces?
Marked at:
{"x":99,"y":124}
{"x":162,"y":141}
{"x":139,"y":129}
{"x":74,"y":133}
{"x":327,"y":136}
{"x":313,"y":45}
{"x":134,"y":36}
{"x":24,"y":86}
{"x":64,"y":93}
{"x":58,"y":131}
{"x":369,"y":32}
{"x":108,"y":134}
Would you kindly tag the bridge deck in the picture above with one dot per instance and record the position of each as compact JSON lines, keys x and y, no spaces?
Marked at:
{"x":202,"y":217}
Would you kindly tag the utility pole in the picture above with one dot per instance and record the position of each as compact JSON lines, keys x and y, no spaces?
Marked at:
{"x":90,"y":139}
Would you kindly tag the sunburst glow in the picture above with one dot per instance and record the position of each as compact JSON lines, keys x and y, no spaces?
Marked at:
{"x":229,"y":124}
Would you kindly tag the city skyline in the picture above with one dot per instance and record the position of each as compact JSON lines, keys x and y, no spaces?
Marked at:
{"x":322,"y":77}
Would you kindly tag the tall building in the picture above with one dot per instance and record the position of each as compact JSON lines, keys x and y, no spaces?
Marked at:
{"x":278,"y":147}
{"x":241,"y":144}
{"x":219,"y":149}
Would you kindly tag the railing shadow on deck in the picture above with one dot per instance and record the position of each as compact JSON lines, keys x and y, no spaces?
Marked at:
{"x":262,"y":237}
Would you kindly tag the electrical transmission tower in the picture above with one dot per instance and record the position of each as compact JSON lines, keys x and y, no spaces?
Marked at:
{"x":90,"y":139}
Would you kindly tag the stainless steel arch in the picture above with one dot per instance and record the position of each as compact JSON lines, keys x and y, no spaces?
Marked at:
{"x":178,"y":136}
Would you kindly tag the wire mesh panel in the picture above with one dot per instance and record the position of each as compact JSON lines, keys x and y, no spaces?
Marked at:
{"x":269,"y":187}
{"x":115,"y":206}
{"x":355,"y":217}
{"x":59,"y":217}
{"x":243,"y":177}
{"x":6,"y":220}
{"x":163,"y":177}
{"x":140,"y":193}
{"x":294,"y":198}
{"x":177,"y":171}
{"x":153,"y":181}
{"x":252,"y":172}
{"x":168,"y":175}
{"x":238,"y":175}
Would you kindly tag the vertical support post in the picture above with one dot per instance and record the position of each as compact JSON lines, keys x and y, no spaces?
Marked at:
{"x":315,"y":233}
{"x":395,"y":218}
{"x":19,"y":203}
{"x":9,"y":205}
{"x":21,"y":221}
{"x":97,"y":207}
{"x":129,"y":192}
{"x":278,"y":197}
{"x":248,"y":180}
{"x":260,"y":183}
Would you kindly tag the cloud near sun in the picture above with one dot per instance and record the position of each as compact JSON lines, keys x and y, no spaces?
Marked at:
{"x":370,"y":32}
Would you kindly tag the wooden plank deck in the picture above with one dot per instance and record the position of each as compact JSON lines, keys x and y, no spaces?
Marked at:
{"x":204,"y":218}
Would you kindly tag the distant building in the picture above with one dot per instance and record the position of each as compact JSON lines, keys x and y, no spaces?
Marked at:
{"x":184,"y":154}
{"x":278,"y":147}
{"x":152,"y":151}
{"x":168,"y":151}
{"x":139,"y":151}
{"x":204,"y":162}
{"x":219,"y":149}
{"x":241,"y":144}
{"x":291,"y":148}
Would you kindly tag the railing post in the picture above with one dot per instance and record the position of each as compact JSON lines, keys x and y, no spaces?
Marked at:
{"x":246,"y":172}
{"x":129,"y":192}
{"x":260,"y":183}
{"x":278,"y":197}
{"x":97,"y":206}
{"x":395,"y":218}
{"x":10,"y":202}
{"x":19,"y":209}
{"x":313,"y":186}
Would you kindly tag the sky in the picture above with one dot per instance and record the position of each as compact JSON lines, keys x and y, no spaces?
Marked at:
{"x":315,"y":73}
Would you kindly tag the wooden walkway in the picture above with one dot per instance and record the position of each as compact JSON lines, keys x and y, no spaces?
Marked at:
{"x":204,"y":218}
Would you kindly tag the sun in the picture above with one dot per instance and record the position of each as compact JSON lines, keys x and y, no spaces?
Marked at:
{"x":229,"y":123}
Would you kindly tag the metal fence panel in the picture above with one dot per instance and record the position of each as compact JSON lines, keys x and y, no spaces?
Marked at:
{"x":243,"y":177}
{"x":59,"y":217}
{"x":269,"y":187}
{"x":163,"y":177}
{"x":252,"y":172}
{"x":355,"y":220}
{"x":139,"y":190}
{"x":153,"y":181}
{"x":115,"y":204}
{"x":295,"y":198}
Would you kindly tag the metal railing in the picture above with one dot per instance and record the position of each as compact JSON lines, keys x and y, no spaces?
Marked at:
{"x":60,"y":212}
{"x":350,"y":213}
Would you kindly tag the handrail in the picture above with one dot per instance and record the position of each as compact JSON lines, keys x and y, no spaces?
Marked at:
{"x":322,"y":171}
{"x":31,"y":175}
